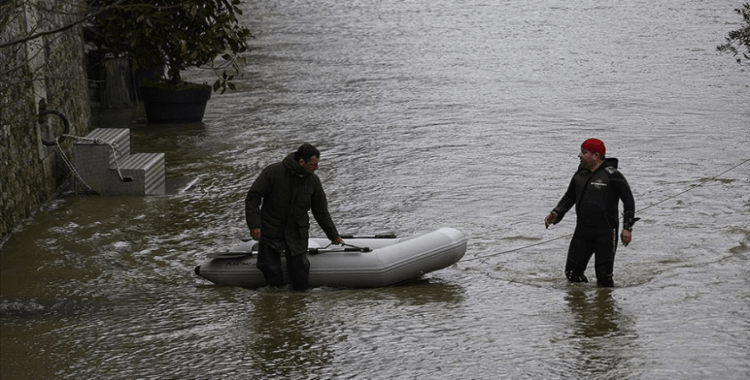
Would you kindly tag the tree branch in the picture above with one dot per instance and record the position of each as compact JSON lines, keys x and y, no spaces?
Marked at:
{"x":62,"y":28}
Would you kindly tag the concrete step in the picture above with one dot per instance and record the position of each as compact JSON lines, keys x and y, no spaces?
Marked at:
{"x":104,"y":162}
{"x":147,"y":171}
{"x":119,"y":137}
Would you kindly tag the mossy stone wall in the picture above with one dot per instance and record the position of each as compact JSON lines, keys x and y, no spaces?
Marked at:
{"x":46,"y":71}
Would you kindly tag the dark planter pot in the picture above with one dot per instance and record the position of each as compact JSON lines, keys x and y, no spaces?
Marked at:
{"x":165,"y":105}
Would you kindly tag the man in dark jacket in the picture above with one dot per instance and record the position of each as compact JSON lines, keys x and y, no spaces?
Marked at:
{"x":595,"y":190}
{"x":287,"y":191}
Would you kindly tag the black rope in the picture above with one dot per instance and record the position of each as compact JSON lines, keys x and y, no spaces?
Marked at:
{"x":640,"y":210}
{"x":696,"y":186}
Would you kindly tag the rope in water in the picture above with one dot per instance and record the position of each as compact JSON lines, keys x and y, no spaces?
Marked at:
{"x":71,"y":166}
{"x":112,"y":145}
{"x":640,"y":210}
{"x":695,"y":186}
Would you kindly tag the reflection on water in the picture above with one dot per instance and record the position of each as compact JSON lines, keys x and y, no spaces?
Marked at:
{"x":595,"y":315}
{"x":281,"y":344}
{"x":601,"y":335}
{"x":280,"y":334}
{"x":428,"y":114}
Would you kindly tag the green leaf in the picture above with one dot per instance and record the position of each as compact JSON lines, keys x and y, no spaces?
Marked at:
{"x":181,"y":33}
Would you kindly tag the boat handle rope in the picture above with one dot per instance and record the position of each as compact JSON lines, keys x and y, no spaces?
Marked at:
{"x":699,"y":184}
{"x":311,"y":251}
{"x":352,"y":248}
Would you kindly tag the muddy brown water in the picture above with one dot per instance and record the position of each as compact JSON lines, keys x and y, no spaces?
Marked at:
{"x":428,"y":113}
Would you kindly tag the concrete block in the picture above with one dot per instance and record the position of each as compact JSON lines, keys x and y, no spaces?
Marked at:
{"x":103,"y":161}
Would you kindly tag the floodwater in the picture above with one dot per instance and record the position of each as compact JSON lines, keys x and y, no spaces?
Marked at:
{"x":466,"y":114}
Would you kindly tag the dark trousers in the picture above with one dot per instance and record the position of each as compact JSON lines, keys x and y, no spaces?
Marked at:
{"x":269,"y":263}
{"x":585,"y":243}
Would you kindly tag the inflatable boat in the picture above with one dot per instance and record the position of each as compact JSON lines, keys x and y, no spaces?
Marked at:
{"x":363,"y":262}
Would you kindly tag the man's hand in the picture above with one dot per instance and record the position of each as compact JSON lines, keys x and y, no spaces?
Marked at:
{"x":626,"y":237}
{"x":255,"y":233}
{"x":551,"y":218}
{"x":338,"y":241}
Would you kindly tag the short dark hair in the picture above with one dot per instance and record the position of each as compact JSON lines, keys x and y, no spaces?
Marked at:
{"x":305,"y":152}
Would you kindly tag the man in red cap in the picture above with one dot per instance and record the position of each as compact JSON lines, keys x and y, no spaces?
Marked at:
{"x":596,"y":190}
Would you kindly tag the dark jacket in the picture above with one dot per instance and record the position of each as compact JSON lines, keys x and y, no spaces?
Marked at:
{"x":287,"y":192}
{"x":596,"y":197}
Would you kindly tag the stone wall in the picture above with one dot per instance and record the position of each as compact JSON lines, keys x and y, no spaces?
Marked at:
{"x":47,"y":70}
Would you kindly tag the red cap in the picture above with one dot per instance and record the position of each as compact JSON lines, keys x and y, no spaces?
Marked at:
{"x":594,"y":145}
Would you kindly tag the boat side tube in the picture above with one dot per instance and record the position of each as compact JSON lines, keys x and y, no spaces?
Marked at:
{"x":405,"y":260}
{"x":390,"y":262}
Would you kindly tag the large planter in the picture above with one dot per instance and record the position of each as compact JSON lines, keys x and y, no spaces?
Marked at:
{"x":183,"y":105}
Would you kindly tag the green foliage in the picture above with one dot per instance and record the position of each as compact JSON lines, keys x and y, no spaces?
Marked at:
{"x":177,"y":33}
{"x":738,"y":41}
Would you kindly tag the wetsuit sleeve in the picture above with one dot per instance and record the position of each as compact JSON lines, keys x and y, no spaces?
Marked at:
{"x":319,"y":208}
{"x":258,"y":190}
{"x":567,"y":201}
{"x":626,"y":195}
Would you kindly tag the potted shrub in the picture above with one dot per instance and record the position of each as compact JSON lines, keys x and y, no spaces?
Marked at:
{"x":178,"y":35}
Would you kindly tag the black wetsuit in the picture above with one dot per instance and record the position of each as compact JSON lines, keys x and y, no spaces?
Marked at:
{"x":596,"y":197}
